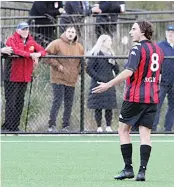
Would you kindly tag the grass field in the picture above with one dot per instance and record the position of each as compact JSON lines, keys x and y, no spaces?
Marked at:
{"x":80,"y":161}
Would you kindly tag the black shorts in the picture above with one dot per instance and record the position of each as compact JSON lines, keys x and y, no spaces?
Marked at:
{"x":136,"y":114}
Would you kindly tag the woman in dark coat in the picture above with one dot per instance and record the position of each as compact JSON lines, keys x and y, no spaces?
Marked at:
{"x":102,"y":70}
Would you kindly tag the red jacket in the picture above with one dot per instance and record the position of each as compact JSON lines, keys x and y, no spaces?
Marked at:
{"x":22,"y":68}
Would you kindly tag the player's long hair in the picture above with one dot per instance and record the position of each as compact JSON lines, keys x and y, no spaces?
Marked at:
{"x":99,"y":45}
{"x":146,"y":27}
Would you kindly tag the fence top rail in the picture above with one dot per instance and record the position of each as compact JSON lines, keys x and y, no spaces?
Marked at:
{"x":89,"y":24}
{"x":19,"y":9}
{"x":39,"y":17}
{"x":94,"y":15}
{"x":30,"y":2}
{"x":126,"y":13}
{"x":150,"y":12}
{"x":84,"y":57}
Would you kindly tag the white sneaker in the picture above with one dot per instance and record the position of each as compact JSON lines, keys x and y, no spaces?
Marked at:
{"x":52,"y":129}
{"x":99,"y":129}
{"x":108,"y":129}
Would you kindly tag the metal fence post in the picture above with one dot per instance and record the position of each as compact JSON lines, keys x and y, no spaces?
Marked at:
{"x":82,"y":98}
{"x":28,"y":105}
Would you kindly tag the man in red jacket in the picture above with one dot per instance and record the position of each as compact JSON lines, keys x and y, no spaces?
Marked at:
{"x":18,"y":72}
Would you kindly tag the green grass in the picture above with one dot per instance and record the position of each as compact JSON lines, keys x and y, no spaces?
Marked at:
{"x":79,"y":161}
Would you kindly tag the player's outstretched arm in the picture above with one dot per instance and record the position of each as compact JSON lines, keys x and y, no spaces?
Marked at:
{"x":120,"y":78}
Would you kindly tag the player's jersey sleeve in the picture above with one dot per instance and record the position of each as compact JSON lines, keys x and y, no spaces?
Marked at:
{"x":134,"y":58}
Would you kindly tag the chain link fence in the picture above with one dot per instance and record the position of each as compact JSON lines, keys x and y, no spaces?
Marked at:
{"x":39,"y":93}
{"x":39,"y":99}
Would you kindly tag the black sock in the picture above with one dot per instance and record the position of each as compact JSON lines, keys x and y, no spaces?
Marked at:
{"x":144,"y":155}
{"x":126,"y":150}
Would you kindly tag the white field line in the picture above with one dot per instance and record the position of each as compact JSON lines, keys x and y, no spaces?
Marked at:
{"x":81,"y":141}
{"x":80,"y":135}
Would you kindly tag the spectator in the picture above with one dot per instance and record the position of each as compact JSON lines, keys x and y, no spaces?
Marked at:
{"x":167,"y":80}
{"x":4,"y":51}
{"x":18,"y":72}
{"x":108,"y":7}
{"x":64,"y":75}
{"x":102,"y":70}
{"x":50,"y":9}
{"x":76,"y":7}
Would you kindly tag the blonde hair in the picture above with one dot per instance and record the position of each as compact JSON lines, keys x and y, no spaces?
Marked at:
{"x":99,"y":45}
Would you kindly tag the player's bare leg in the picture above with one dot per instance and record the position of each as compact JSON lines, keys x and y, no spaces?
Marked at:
{"x":124,"y":133}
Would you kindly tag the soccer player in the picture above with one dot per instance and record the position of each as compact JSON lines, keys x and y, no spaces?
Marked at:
{"x":142,"y":75}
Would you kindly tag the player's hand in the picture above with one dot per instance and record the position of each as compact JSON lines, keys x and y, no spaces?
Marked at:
{"x":101,"y":88}
{"x":7,"y":50}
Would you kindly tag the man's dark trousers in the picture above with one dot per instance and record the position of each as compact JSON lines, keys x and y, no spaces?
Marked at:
{"x":61,"y":92}
{"x":14,"y":96}
{"x":169,"y":119}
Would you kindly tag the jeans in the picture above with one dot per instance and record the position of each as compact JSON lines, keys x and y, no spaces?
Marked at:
{"x":61,"y":92}
{"x":169,"y":118}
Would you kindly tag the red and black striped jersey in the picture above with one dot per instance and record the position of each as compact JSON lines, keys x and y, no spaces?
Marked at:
{"x":145,"y":60}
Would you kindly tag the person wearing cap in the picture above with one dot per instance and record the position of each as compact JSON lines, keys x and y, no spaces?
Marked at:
{"x":167,"y":80}
{"x":18,"y":72}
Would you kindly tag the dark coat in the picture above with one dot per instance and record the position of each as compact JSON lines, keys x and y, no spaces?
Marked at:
{"x":40,"y":8}
{"x":6,"y":64}
{"x":49,"y":9}
{"x":168,"y":65}
{"x":108,"y":7}
{"x":2,"y":64}
{"x":101,"y":70}
{"x":2,"y":45}
{"x":74,"y":7}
